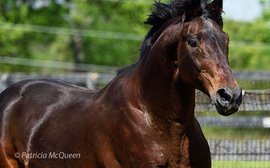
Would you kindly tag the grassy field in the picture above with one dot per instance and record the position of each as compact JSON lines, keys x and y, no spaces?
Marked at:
{"x":236,"y":133}
{"x":240,"y":164}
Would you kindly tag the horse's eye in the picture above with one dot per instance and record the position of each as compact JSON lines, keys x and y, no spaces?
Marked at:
{"x":193,"y":43}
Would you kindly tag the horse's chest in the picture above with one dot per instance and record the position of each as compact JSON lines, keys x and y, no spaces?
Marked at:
{"x":147,"y":155}
{"x":153,"y":151}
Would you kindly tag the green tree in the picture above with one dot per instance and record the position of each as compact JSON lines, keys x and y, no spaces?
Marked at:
{"x":110,"y":17}
{"x":106,"y":33}
{"x":105,"y":18}
{"x":250,"y":41}
{"x":26,"y":44}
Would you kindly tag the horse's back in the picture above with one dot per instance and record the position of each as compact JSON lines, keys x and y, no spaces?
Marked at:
{"x":30,"y":108}
{"x":36,"y":95}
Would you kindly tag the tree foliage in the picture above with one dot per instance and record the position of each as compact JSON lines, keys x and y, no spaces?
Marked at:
{"x":111,"y":33}
{"x":250,"y":41}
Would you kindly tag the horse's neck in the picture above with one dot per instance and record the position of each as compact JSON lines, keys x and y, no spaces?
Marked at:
{"x":166,"y":97}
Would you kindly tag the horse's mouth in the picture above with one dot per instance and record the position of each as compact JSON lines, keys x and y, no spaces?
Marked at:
{"x":226,"y":110}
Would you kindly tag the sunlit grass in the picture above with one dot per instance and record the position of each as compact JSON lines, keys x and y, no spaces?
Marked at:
{"x":240,"y":164}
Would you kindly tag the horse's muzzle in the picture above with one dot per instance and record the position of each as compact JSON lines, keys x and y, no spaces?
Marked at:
{"x":228,"y":101}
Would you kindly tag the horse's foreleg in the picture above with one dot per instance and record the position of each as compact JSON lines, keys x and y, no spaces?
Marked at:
{"x":7,"y":157}
{"x":199,"y":148}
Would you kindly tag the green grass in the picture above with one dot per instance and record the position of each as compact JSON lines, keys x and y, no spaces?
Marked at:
{"x":254,"y":85}
{"x":236,"y":133}
{"x":240,"y":164}
{"x":237,"y":114}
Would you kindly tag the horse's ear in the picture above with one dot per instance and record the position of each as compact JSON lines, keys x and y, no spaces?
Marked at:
{"x":215,"y":5}
{"x":215,"y":8}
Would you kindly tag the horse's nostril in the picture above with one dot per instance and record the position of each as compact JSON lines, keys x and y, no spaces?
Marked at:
{"x":224,"y":96}
{"x":228,"y":101}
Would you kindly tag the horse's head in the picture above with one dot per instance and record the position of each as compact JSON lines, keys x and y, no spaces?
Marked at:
{"x":191,"y":35}
{"x":203,"y":60}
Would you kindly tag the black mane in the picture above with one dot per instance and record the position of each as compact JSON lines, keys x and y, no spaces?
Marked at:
{"x":162,"y":13}
{"x":192,"y":8}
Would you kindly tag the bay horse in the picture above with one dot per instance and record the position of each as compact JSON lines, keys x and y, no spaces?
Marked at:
{"x":144,"y":118}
